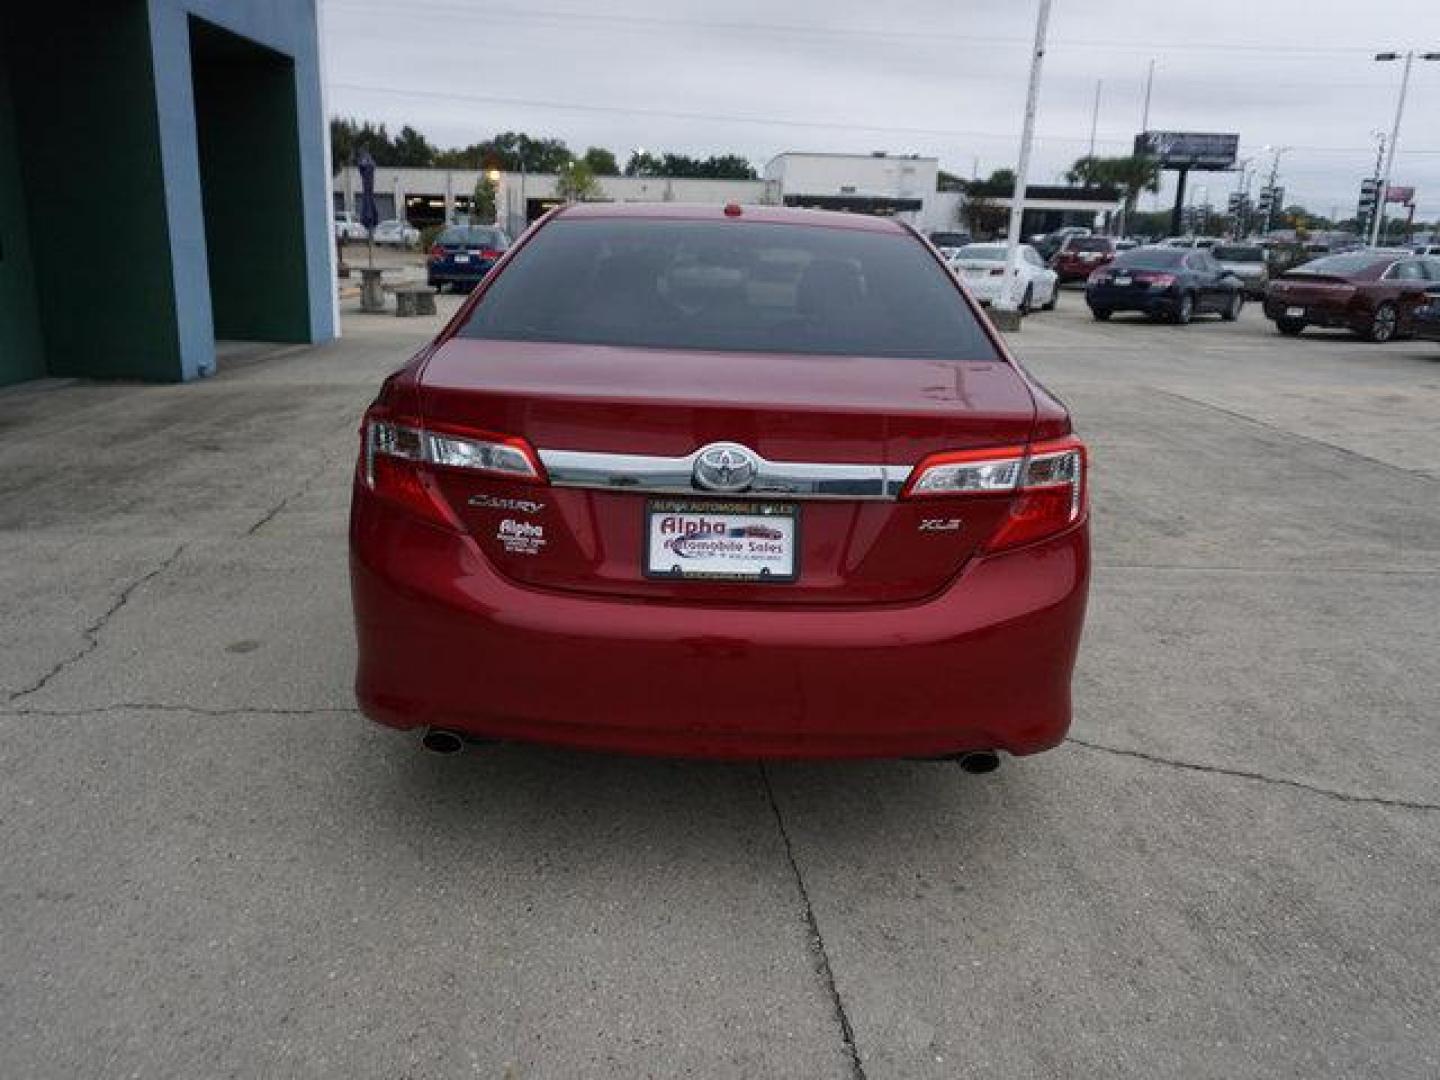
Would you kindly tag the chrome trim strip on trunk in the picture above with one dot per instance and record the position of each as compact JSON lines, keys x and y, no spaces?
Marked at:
{"x":675,"y":476}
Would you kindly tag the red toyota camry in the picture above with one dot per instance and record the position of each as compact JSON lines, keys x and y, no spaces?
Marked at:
{"x":740,"y":482}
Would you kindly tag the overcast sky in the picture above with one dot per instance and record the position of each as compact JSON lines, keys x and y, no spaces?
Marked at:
{"x":937,"y":77}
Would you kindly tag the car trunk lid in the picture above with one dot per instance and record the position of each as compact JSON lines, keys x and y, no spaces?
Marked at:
{"x":883,"y":413}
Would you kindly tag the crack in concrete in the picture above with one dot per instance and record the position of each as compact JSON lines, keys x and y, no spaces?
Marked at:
{"x":821,"y":957}
{"x":1247,"y":774}
{"x":93,"y":631}
{"x":301,"y":491}
{"x":193,"y":710}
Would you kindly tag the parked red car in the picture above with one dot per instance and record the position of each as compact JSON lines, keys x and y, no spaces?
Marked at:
{"x":1373,"y":293}
{"x":1081,"y":256}
{"x":757,"y":482}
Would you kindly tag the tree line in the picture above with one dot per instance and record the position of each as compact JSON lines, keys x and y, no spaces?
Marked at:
{"x":511,"y":151}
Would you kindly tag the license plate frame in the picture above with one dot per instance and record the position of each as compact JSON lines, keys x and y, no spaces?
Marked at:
{"x":1294,"y":313}
{"x":720,"y":564}
{"x":461,"y":258}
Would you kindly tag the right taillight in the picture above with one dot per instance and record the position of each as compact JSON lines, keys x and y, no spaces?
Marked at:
{"x":1046,"y":483}
{"x":398,"y":455}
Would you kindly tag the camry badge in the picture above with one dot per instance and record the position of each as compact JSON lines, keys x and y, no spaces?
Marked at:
{"x":725,"y":467}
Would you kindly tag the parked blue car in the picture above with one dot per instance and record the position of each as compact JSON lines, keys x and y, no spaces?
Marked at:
{"x":463,"y":254}
{"x":1425,"y":319}
{"x":1165,"y":282}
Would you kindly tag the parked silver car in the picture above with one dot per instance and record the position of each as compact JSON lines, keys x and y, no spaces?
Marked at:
{"x":1249,"y":263}
{"x":397,"y":234}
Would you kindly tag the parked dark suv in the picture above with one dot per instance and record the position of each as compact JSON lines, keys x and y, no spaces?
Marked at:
{"x":463,"y":254}
{"x":1169,"y":282}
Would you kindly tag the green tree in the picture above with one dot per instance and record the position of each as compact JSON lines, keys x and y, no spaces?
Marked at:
{"x":643,"y":163}
{"x":576,"y":182}
{"x":601,"y":161}
{"x":1002,"y":178}
{"x":411,"y":149}
{"x":484,"y":198}
{"x":1129,"y":175}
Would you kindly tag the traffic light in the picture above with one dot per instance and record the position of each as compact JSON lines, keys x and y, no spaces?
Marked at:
{"x":1369,"y":200}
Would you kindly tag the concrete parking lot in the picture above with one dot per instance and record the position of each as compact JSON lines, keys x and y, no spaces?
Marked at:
{"x":210,"y":865}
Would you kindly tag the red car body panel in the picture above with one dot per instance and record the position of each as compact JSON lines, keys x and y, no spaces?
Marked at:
{"x":889,"y":642}
{"x":1074,"y":264}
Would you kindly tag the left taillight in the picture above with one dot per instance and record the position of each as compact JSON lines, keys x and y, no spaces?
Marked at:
{"x":1046,"y":483}
{"x":400,"y":457}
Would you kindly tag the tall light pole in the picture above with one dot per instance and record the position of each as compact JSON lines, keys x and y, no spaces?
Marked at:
{"x":1007,"y":300}
{"x":1383,"y":194}
{"x":1095,"y":116}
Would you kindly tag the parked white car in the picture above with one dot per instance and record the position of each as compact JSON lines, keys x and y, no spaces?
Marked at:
{"x":982,"y":268}
{"x":347,"y":228}
{"x":397,"y":233}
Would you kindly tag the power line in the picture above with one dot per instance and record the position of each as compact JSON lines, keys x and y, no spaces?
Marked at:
{"x":765,"y":121}
{"x":483,"y":12}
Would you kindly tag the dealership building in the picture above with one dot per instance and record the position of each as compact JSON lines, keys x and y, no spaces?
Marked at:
{"x":901,"y":186}
{"x":163,"y":185}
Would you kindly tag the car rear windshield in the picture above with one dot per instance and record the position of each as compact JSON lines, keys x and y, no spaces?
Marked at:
{"x":1088,"y":243}
{"x":1151,"y":258}
{"x":1226,"y":253}
{"x":982,"y":253}
{"x":462,"y":234}
{"x":1341,"y":265}
{"x":730,"y":286}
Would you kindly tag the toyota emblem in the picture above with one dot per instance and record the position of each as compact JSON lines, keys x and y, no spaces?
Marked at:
{"x":726,"y":467}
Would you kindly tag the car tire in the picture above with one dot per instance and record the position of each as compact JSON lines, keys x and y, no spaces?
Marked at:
{"x":1289,"y":327}
{"x":1049,"y":305}
{"x":1027,"y":299}
{"x":1383,"y":324}
{"x":1185,"y":310}
{"x":1233,"y":308}
{"x":1101,"y":314}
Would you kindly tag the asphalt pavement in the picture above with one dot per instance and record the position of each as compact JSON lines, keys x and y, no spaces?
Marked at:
{"x":211,"y":865}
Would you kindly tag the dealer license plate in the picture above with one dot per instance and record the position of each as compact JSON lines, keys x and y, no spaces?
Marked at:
{"x":726,"y":541}
{"x":1294,"y":312}
{"x":462,"y":258}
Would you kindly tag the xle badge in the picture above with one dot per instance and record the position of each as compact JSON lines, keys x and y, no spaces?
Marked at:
{"x":939,"y":524}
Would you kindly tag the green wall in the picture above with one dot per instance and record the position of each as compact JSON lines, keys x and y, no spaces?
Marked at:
{"x":245,"y":116}
{"x":21,"y":347}
{"x":94,"y":187}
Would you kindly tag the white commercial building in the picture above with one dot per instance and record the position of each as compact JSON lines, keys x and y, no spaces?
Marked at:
{"x":903,"y":186}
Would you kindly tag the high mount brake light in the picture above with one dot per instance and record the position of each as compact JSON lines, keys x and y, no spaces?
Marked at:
{"x":1047,"y":481}
{"x":398,"y":455}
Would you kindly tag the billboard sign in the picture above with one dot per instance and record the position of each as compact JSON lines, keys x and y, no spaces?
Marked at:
{"x":1399,"y":194}
{"x":1211,"y":151}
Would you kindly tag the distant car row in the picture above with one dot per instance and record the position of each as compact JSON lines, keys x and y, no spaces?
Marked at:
{"x":1378,"y":294}
{"x":391,"y":233}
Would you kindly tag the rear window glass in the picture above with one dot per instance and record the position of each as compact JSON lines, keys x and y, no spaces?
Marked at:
{"x":1354,"y":263}
{"x":949,"y":239}
{"x":730,"y":286}
{"x":462,"y":234}
{"x":982,"y":253}
{"x":1151,"y":258}
{"x":1088,"y":243}
{"x":1226,"y":253}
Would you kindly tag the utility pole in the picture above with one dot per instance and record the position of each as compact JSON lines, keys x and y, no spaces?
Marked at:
{"x":1274,"y":174}
{"x":1145,"y":114}
{"x":1095,"y":115}
{"x":1008,"y":301}
{"x":1383,"y":194}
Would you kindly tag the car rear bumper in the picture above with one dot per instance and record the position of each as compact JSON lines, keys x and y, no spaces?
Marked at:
{"x":446,"y":641}
{"x":1338,"y":316}
{"x":1164,"y":302}
{"x":456,"y":275}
